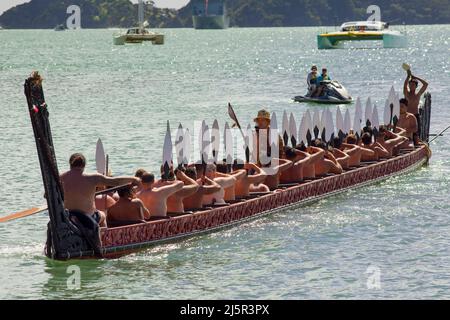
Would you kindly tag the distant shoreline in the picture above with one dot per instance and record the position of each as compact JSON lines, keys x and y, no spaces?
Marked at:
{"x":233,"y":27}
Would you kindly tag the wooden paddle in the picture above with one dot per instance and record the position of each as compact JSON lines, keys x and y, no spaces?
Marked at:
{"x":233,"y":116}
{"x":22,"y":214}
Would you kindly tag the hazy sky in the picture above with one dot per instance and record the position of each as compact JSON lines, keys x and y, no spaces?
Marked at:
{"x":6,"y":4}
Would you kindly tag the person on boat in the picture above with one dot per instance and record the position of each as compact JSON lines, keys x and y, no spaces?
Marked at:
{"x":207,"y":187}
{"x":128,"y":208}
{"x":316,"y":154}
{"x":80,"y":187}
{"x":299,"y":159}
{"x":311,"y":80}
{"x":274,"y":170}
{"x":407,"y":121}
{"x":323,"y":77}
{"x":328,"y":164}
{"x":252,"y":182}
{"x":342,"y":157}
{"x":105,"y":201}
{"x":378,"y":149}
{"x":351,"y":142}
{"x":262,"y":122}
{"x":224,"y":181}
{"x":230,"y":192}
{"x":413,"y":96}
{"x":155,"y":197}
{"x":175,"y":201}
{"x":390,"y":140}
{"x":139,"y":173}
{"x":353,"y":151}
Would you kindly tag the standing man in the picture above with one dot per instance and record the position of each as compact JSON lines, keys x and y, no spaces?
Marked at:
{"x":409,"y":90}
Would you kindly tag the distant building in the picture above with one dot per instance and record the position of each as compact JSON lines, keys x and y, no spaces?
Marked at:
{"x":210,"y":14}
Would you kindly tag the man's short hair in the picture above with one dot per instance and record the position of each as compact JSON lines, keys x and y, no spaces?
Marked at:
{"x":148,"y":178}
{"x":368,"y":130}
{"x":414,"y":81}
{"x":222,"y":168}
{"x":125,"y":192}
{"x":238,"y":164}
{"x":337,"y":142}
{"x":366,"y":138}
{"x":140,"y":173}
{"x":191,"y":172}
{"x":351,"y":139}
{"x":77,"y":160}
{"x":404,"y":101}
{"x":290,"y":153}
{"x":301,"y":147}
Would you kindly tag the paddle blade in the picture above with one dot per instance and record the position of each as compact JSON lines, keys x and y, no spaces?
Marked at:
{"x":228,"y":144}
{"x":339,"y":120}
{"x":347,"y":122}
{"x":285,"y":128}
{"x":387,"y":113}
{"x":215,"y":140}
{"x":187,"y":147}
{"x":329,"y":126}
{"x":100,"y":158}
{"x":22,"y":214}
{"x":302,"y":130}
{"x":368,"y":111}
{"x":248,"y":145}
{"x":274,"y":122}
{"x":358,"y":116}
{"x":206,"y":144}
{"x":233,"y":116}
{"x":375,"y":118}
{"x":179,"y":145}
{"x":167,"y":150}
{"x":309,"y":137}
{"x":316,"y":120}
{"x":293,"y":130}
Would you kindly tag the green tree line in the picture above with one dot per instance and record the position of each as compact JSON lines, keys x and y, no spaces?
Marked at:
{"x":243,"y":13}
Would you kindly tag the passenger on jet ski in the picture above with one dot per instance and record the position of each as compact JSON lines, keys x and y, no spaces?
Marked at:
{"x":323,"y":77}
{"x":312,"y":81}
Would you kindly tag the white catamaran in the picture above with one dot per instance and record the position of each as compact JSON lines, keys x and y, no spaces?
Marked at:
{"x":139,"y":34}
{"x":362,"y":31}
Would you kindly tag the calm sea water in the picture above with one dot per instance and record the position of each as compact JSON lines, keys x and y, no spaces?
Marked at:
{"x":398,"y":229}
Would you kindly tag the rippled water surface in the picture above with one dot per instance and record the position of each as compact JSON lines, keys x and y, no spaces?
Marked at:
{"x":399,"y":228}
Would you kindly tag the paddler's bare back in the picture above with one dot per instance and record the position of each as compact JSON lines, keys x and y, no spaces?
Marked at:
{"x":79,"y":190}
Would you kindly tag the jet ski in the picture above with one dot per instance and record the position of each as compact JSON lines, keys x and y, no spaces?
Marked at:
{"x":333,"y":93}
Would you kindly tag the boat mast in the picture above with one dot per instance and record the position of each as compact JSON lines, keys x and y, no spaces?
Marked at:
{"x":206,"y":7}
{"x":141,"y":14}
